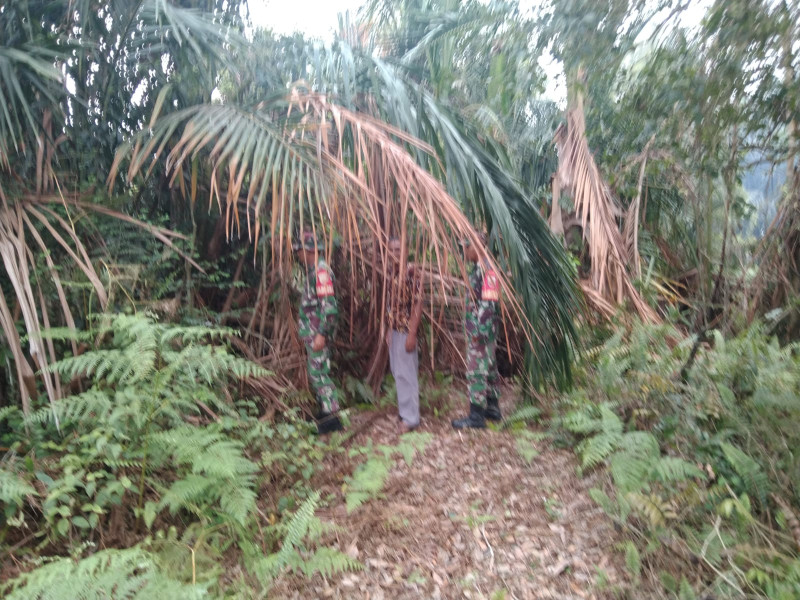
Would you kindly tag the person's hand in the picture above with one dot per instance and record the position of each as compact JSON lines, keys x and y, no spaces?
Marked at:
{"x":319,"y":343}
{"x":411,"y":343}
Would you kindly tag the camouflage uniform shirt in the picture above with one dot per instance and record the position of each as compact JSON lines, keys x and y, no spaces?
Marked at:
{"x":480,"y":327}
{"x":317,"y":316}
{"x":318,"y":308}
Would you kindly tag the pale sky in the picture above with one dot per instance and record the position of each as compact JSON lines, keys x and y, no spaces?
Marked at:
{"x":315,"y":18}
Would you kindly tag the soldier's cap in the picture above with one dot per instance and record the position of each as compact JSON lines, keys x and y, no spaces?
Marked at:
{"x":307,"y":241}
{"x":464,"y":242}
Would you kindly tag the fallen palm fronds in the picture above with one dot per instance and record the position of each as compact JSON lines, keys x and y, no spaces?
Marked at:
{"x":578,"y":174}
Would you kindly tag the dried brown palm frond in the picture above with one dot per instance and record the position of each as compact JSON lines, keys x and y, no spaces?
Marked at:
{"x":631,"y":231}
{"x":302,"y":161}
{"x":17,"y":220}
{"x":37,"y":114}
{"x":30,"y":227}
{"x":578,"y":174}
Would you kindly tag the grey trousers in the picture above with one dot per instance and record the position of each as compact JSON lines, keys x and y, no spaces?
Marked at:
{"x":405,"y":370}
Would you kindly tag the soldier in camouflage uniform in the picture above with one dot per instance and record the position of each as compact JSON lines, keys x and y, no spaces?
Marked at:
{"x":480,"y":326}
{"x":317,"y":318}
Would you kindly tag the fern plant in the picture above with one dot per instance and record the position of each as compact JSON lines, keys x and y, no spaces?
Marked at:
{"x":297,"y":553}
{"x":635,"y":463}
{"x":369,"y":478}
{"x":154,"y":434}
{"x":734,"y":419}
{"x":130,"y":574}
{"x":15,"y":489}
{"x":218,"y":473}
{"x":126,"y":438}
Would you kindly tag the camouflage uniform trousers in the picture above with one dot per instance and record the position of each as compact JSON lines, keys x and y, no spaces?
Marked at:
{"x":319,"y":376}
{"x":483,"y":380}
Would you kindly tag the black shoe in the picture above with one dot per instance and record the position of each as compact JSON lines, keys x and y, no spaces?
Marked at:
{"x":493,"y":410}
{"x":474,"y":420}
{"x":328,"y":423}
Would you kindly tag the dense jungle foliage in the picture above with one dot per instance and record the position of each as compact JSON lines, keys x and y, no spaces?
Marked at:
{"x":156,"y":158}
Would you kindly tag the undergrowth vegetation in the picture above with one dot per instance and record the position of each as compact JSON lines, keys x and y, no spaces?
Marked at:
{"x":158,"y":455}
{"x":703,"y":461}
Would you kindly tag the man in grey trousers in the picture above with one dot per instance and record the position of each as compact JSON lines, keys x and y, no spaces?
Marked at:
{"x":404,"y":312}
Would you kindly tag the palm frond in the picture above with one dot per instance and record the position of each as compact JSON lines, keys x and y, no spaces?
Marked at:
{"x":594,"y":204}
{"x":303,"y":161}
{"x":25,"y":72}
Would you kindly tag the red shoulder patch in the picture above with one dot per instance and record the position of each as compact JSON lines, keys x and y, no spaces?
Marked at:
{"x":324,"y":283}
{"x":491,"y":287}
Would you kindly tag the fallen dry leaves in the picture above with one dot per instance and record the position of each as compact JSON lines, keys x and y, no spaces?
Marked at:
{"x":469,"y":519}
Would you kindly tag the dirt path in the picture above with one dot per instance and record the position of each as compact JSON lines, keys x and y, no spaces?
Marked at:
{"x":470,"y":518}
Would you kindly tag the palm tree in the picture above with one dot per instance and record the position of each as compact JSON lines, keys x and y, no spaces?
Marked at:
{"x":73,"y":76}
{"x":360,"y":145}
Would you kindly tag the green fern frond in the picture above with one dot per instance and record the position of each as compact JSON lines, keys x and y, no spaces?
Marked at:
{"x":7,"y":411}
{"x":609,"y":421}
{"x":293,"y":554}
{"x":412,"y":443}
{"x":670,"y":469}
{"x":118,"y":464}
{"x":238,"y":501}
{"x":749,"y":470}
{"x":596,"y":449}
{"x":633,"y":561}
{"x":185,"y":493}
{"x":640,"y":442}
{"x":612,"y":349}
{"x":631,"y":471}
{"x":297,"y":527}
{"x":130,"y":574}
{"x":651,"y":506}
{"x":580,"y":421}
{"x":91,"y":404}
{"x":367,"y":481}
{"x":685,"y":591}
{"x":318,"y":528}
{"x":66,"y":334}
{"x":328,"y":561}
{"x":14,"y":488}
{"x":185,"y":441}
{"x":719,"y":341}
{"x":603,"y":501}
{"x":525,"y":445}
{"x":196,"y":333}
{"x":524,"y":414}
{"x":223,"y":459}
{"x":92,"y":363}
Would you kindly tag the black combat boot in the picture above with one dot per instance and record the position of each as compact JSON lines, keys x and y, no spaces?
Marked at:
{"x":474,"y":420}
{"x":328,"y":423}
{"x":493,"y":409}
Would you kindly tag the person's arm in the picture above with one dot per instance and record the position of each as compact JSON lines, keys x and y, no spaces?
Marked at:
{"x":416,"y":314}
